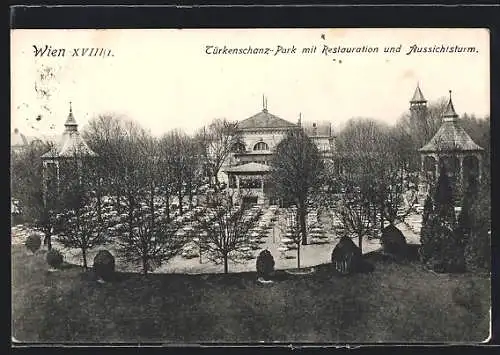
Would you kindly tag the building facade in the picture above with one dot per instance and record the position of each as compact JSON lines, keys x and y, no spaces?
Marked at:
{"x":249,"y":163}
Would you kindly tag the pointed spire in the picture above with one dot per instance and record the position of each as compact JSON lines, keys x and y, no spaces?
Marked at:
{"x":299,"y":123}
{"x":71,"y":124}
{"x":418,"y":97}
{"x":450,"y":113}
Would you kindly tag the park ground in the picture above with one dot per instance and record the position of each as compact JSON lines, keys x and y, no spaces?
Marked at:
{"x":311,"y":255}
{"x":394,"y":303}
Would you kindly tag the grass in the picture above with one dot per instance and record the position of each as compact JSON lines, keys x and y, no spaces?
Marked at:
{"x":394,"y":303}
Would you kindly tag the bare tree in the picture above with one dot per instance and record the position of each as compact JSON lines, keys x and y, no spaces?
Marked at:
{"x":417,"y":131}
{"x":179,"y":161}
{"x":81,"y":222}
{"x":377,"y":163}
{"x":355,"y":210}
{"x":105,"y":135}
{"x":296,"y":173}
{"x":40,"y":200}
{"x":145,"y":237}
{"x":216,"y":142}
{"x":227,"y":233}
{"x":194,"y":168}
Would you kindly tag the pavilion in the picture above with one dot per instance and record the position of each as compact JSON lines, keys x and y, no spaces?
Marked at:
{"x":71,"y":146}
{"x":452,"y":147}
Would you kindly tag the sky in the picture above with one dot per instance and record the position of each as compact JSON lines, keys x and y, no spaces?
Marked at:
{"x":165,"y":79}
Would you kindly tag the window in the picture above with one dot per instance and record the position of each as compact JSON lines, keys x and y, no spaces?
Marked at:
{"x":261,"y":146}
{"x":238,"y":147}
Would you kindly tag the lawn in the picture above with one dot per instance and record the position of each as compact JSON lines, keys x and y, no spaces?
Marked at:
{"x":396,"y":302}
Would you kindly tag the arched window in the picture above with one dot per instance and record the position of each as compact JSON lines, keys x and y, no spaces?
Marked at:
{"x":261,"y":146}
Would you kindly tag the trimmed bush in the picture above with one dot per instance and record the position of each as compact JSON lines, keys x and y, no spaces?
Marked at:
{"x":104,"y":265}
{"x":346,"y":256}
{"x":54,"y":258}
{"x":394,"y":242}
{"x":33,"y":242}
{"x":265,"y":264}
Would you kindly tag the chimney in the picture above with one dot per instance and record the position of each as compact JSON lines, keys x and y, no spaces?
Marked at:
{"x":315,"y":129}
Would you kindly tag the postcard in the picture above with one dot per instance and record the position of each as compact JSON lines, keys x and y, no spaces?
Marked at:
{"x":267,"y":186}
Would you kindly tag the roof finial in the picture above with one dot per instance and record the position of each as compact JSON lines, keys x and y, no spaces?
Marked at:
{"x":300,"y":119}
{"x":70,"y":107}
{"x":450,"y":93}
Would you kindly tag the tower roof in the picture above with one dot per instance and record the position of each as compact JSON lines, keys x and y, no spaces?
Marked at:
{"x":450,"y":113}
{"x":70,"y":121}
{"x":418,"y":97}
{"x":450,"y":137}
{"x":71,"y":143}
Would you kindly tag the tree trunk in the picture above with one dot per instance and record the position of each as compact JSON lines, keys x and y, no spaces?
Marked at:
{"x":360,"y":242}
{"x":144,"y":266}
{"x":48,"y":241}
{"x":167,"y":207}
{"x":84,"y":258}
{"x":302,"y":220}
{"x":118,"y":206}
{"x":216,"y":182}
{"x":179,"y":196}
{"x":99,"y":204}
{"x":190,"y":193}
{"x":381,"y":218}
{"x":298,"y":256}
{"x":226,"y":269}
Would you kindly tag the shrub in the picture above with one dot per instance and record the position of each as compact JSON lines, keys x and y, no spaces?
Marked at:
{"x":33,"y":242}
{"x":475,"y":230}
{"x":394,"y":242}
{"x":442,"y":246}
{"x":346,"y":256}
{"x":104,"y":265}
{"x":54,"y":258}
{"x":265,"y":264}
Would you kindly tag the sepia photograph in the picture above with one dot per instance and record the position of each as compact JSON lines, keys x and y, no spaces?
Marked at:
{"x":267,"y":186}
